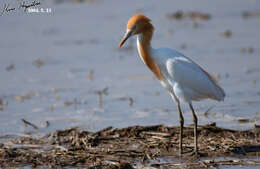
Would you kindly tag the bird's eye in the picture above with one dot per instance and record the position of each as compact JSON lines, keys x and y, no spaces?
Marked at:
{"x":134,"y":28}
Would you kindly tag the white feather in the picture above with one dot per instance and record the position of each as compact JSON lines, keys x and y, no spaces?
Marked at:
{"x":188,"y":80}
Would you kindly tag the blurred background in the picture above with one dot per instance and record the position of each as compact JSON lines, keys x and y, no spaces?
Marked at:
{"x":60,"y":67}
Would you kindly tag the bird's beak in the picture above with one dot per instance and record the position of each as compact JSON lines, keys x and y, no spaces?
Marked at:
{"x":126,"y":36}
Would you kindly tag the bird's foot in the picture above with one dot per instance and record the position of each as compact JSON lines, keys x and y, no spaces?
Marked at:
{"x":180,"y":154}
{"x":197,"y":154}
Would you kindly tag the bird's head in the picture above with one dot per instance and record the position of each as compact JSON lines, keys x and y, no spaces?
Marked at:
{"x":136,"y":24}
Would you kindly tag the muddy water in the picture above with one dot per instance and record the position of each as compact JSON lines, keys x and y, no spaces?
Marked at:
{"x":53,"y":65}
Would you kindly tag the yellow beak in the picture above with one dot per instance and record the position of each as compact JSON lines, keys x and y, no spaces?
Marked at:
{"x":126,"y":36}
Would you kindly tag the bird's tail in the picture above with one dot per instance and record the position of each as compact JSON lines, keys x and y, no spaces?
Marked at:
{"x":219,"y":93}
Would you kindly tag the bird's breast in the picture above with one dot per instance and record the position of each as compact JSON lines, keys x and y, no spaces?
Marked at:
{"x":166,"y":85}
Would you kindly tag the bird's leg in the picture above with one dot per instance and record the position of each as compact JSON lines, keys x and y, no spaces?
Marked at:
{"x":195,"y":120}
{"x":181,"y":127}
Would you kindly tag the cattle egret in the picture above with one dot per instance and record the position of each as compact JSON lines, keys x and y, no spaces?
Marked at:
{"x":185,"y":80}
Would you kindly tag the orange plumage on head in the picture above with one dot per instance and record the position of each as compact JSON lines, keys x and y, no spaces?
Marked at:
{"x":139,"y":20}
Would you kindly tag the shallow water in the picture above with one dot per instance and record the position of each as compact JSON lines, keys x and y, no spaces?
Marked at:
{"x":53,"y":55}
{"x":168,"y":160}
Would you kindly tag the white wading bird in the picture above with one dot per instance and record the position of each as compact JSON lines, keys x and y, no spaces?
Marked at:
{"x":184,"y":79}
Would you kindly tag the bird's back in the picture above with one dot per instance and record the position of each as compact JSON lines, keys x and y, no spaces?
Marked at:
{"x":186,"y":77}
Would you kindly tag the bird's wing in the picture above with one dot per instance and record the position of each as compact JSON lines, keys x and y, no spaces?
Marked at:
{"x":190,"y":75}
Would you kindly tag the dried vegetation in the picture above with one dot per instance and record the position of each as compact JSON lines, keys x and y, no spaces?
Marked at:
{"x":130,"y":147}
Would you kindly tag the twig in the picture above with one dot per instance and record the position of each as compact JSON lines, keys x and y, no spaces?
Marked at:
{"x":100,"y":93}
{"x":47,"y":124}
{"x":207,"y":111}
{"x":30,"y":124}
{"x":131,"y":101}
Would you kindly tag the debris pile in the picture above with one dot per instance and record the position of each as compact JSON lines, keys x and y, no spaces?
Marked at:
{"x":193,"y":15}
{"x":129,"y":147}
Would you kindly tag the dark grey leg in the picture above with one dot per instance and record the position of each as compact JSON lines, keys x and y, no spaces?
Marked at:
{"x":195,"y":120}
{"x":181,"y":127}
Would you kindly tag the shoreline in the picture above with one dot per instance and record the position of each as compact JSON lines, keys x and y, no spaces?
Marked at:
{"x":132,"y":147}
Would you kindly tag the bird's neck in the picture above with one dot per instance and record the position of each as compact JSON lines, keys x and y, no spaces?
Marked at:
{"x":145,"y":51}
